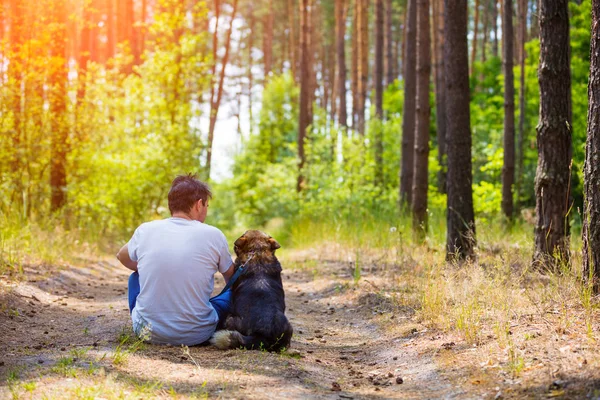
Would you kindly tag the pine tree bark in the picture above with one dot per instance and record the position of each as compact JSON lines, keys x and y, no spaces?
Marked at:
{"x":421,"y":157}
{"x":57,"y":98}
{"x":408,"y":118}
{"x":378,"y":78}
{"x":268,"y":41}
{"x":110,"y":30}
{"x":363,"y":62}
{"x":292,"y":39}
{"x":475,"y":34}
{"x":508,"y":169}
{"x":552,"y":178}
{"x":214,"y":108}
{"x":495,"y":28}
{"x":306,"y":85}
{"x":354,"y":65}
{"x":340,"y":12}
{"x":591,"y":170}
{"x":389,"y":43}
{"x":17,"y":18}
{"x":521,"y":136}
{"x":249,"y":70}
{"x":440,"y":92}
{"x":460,"y":239}
{"x":485,"y":31}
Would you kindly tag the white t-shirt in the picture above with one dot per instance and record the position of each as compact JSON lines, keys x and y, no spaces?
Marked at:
{"x":177,"y":260}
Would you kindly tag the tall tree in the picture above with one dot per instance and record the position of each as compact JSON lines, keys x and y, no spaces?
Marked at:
{"x":340,"y":18}
{"x":58,"y":105}
{"x":495,"y":28}
{"x":292,"y":37}
{"x":389,"y":43}
{"x":362,"y":19}
{"x":378,"y":78}
{"x":552,"y":178}
{"x":354,"y":65}
{"x":475,"y":34}
{"x":522,"y":38}
{"x":110,"y":29}
{"x":17,"y":23}
{"x":306,"y":80}
{"x":460,"y":239}
{"x":508,"y":169}
{"x":421,"y":170}
{"x":440,"y":90}
{"x":216,"y":102}
{"x":408,"y":117}
{"x":591,"y":170}
{"x":268,"y":40}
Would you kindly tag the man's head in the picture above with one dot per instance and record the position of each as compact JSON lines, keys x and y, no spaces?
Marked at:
{"x":190,"y":196}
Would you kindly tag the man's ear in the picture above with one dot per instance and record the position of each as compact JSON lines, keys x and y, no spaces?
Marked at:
{"x":274,"y":244}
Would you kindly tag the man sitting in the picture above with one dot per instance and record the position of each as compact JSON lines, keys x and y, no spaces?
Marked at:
{"x":174,"y":261}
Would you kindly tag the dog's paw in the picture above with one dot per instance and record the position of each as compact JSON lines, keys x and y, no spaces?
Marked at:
{"x":221,"y":339}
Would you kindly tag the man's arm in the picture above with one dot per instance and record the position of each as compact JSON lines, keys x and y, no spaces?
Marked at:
{"x":228,"y":274}
{"x":123,"y":257}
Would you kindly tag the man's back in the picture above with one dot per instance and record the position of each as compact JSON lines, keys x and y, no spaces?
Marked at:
{"x":177,"y":259}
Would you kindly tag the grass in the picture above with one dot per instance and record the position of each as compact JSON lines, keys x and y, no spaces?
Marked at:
{"x":45,"y":242}
{"x":498,"y":302}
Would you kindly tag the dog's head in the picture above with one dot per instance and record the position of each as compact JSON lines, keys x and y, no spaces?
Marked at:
{"x":255,"y":242}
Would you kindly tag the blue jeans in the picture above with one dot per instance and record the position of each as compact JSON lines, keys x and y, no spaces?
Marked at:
{"x":221,"y":303}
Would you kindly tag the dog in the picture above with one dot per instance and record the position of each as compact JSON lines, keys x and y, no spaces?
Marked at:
{"x":257,"y":319}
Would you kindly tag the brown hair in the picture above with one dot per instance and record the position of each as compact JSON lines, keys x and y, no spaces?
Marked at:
{"x":185,"y":191}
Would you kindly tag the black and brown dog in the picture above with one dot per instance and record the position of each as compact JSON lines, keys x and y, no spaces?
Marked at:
{"x":257,"y":319}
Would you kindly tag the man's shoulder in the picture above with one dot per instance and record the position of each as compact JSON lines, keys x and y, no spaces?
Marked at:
{"x":213,"y":230}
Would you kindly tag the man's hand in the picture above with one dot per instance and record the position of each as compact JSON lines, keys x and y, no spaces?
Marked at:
{"x":123,"y":257}
{"x":228,"y":274}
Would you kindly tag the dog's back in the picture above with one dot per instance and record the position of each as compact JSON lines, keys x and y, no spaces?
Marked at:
{"x":257,"y":319}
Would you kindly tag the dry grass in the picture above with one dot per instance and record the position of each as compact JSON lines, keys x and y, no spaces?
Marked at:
{"x":512,"y":323}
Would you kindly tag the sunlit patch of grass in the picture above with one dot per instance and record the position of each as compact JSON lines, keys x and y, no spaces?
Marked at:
{"x":44,"y":242}
{"x":65,"y":366}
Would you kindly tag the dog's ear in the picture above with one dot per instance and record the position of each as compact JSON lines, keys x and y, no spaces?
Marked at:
{"x":274,"y":244}
{"x":239,"y":244}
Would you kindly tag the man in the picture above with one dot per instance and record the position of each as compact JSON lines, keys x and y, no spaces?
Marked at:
{"x":174,"y":261}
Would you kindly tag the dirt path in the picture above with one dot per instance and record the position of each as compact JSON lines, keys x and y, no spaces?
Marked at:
{"x":67,"y":335}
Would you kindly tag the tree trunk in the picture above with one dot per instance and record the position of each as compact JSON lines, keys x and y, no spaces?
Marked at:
{"x":508,"y":169}
{"x":363,"y":62}
{"x":591,"y":170}
{"x":408,"y":117}
{"x":461,"y":221}
{"x":475,"y":33}
{"x":378,"y":134}
{"x":250,"y":76}
{"x":419,"y":192}
{"x":552,"y":178}
{"x":340,"y":12}
{"x":440,"y":91}
{"x":58,"y":107}
{"x":354,"y":64}
{"x":495,"y":28}
{"x":217,"y":102}
{"x":484,"y":40}
{"x":268,"y":41}
{"x":110,"y":29}
{"x":305,"y":85}
{"x":292,"y":38}
{"x":17,"y":16}
{"x":389,"y":42}
{"x":520,"y":157}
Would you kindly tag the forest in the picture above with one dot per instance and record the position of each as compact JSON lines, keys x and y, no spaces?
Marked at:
{"x":431,"y":165}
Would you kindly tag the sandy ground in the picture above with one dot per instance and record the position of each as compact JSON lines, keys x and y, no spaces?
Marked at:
{"x":64,"y":334}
